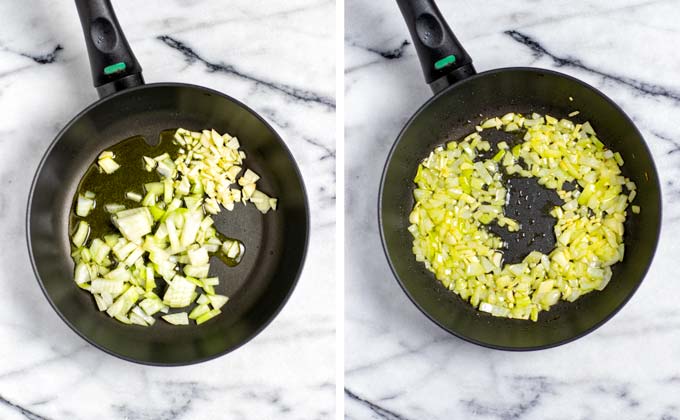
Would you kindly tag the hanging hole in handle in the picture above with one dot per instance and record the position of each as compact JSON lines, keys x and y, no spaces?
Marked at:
{"x":429,"y":30}
{"x":103,"y":35}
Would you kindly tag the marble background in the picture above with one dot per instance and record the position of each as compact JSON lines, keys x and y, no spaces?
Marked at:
{"x":401,"y":366}
{"x":268,"y":54}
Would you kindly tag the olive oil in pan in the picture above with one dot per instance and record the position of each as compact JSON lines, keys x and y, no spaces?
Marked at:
{"x":130,"y":177}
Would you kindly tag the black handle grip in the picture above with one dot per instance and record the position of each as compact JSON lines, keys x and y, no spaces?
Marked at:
{"x":442,"y":57}
{"x":114,"y":66}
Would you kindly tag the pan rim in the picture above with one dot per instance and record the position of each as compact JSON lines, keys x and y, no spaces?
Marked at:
{"x":447,"y":91}
{"x":128,"y":91}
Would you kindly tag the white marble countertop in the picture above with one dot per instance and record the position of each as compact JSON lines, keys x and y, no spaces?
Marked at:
{"x":267,"y":54}
{"x":401,"y":366}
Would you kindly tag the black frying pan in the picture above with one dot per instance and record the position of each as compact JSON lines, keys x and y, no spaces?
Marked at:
{"x":275,"y":243}
{"x":462,"y":100}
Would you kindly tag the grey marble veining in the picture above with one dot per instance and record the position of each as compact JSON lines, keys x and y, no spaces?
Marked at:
{"x":264,"y":53}
{"x":401,"y":366}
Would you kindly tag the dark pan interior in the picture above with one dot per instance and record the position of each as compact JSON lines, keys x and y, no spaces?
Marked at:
{"x":275,"y":243}
{"x":453,"y":114}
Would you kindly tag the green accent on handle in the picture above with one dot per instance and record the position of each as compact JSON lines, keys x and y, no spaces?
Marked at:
{"x":114,"y":68}
{"x":446,"y":61}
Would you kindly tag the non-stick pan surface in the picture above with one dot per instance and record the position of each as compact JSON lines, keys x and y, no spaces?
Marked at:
{"x":275,"y":243}
{"x":451,"y":115}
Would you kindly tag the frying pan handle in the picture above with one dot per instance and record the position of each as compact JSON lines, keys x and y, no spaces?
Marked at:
{"x":114,"y":66}
{"x":442,"y":57}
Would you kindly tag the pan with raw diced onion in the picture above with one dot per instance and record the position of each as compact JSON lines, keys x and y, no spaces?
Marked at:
{"x":138,"y":210}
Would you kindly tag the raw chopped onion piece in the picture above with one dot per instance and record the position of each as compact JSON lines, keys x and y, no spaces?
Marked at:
{"x":101,"y":304}
{"x":198,"y":271}
{"x":218,"y":301}
{"x":80,"y":236}
{"x":106,"y":162}
{"x":166,"y":168}
{"x":133,"y":223}
{"x":151,"y":305}
{"x":114,"y":207}
{"x":211,"y":281}
{"x":85,"y":204}
{"x":82,"y":274}
{"x":232,"y":249}
{"x":123,"y":303}
{"x":198,"y":256}
{"x":199,"y":310}
{"x":457,"y":193}
{"x":207,"y":316}
{"x":180,"y":292}
{"x":142,"y":316}
{"x":99,"y":250}
{"x":111,"y":287}
{"x":130,"y":195}
{"x":149,"y":163}
{"x":179,"y":318}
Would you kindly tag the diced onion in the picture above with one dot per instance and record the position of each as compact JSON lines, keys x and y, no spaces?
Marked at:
{"x":114,"y":207}
{"x":218,"y":301}
{"x":180,"y":292}
{"x":215,"y":161}
{"x":82,"y":274}
{"x":457,"y":193}
{"x":179,"y":318}
{"x":106,"y":162}
{"x":168,"y":235}
{"x":133,"y":196}
{"x":80,"y":236}
{"x":84,"y":205}
{"x":199,"y":310}
{"x":151,"y":305}
{"x":198,"y":256}
{"x":149,"y":163}
{"x":133,"y":223}
{"x":207,"y":316}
